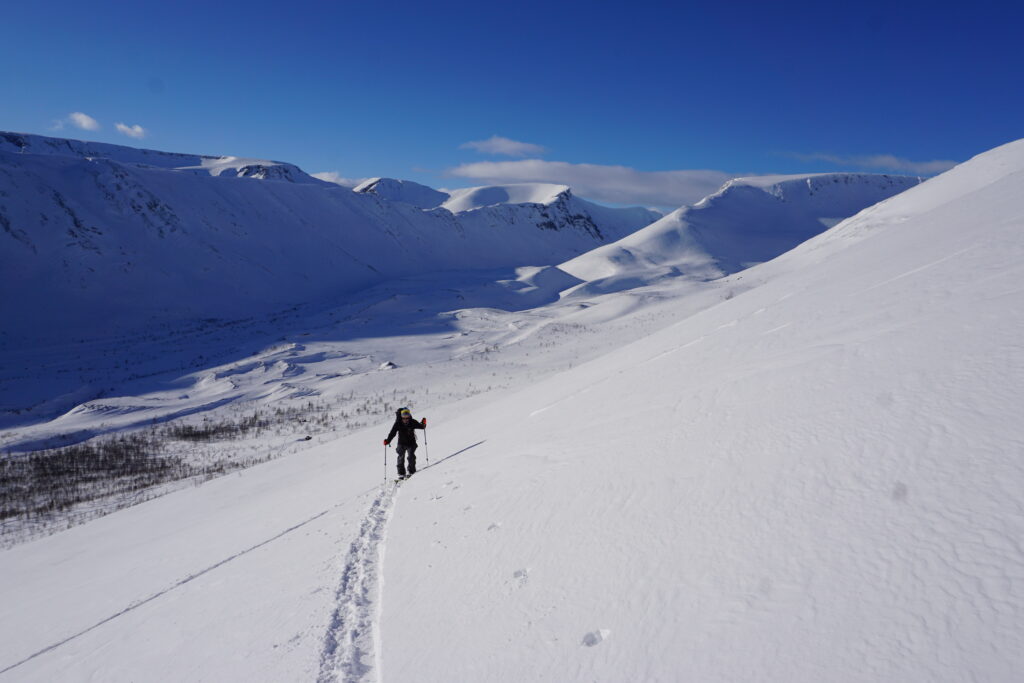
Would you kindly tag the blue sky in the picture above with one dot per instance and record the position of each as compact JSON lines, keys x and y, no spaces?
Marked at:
{"x":629,"y":102}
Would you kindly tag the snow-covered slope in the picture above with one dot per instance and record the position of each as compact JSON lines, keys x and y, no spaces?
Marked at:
{"x":228,"y":166}
{"x":470,"y":198}
{"x":92,"y":232}
{"x":551,"y":206}
{"x":404,"y":191}
{"x":748,"y":221}
{"x":816,"y":479}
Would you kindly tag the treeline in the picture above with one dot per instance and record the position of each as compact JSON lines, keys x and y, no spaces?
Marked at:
{"x":217,"y":431}
{"x":47,"y":482}
{"x":59,"y":487}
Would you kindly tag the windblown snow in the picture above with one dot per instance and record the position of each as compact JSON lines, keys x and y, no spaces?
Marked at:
{"x":806,"y":470}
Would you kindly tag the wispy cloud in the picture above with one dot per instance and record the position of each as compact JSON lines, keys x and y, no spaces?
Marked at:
{"x":505,"y":147}
{"x":886,"y":162}
{"x":136,"y":131}
{"x":80,"y":120}
{"x":337,"y":178}
{"x":614,"y":184}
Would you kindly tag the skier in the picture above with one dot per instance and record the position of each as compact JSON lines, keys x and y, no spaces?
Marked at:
{"x":405,"y":427}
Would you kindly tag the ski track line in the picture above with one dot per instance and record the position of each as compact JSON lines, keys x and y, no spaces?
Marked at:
{"x":353,"y":638}
{"x":135,"y":605}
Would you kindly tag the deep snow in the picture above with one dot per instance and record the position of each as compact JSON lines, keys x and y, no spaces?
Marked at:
{"x":809,"y":470}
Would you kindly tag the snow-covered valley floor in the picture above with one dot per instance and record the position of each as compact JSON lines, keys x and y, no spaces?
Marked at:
{"x":323,"y":372}
{"x":462,"y":360}
{"x":808,"y":471}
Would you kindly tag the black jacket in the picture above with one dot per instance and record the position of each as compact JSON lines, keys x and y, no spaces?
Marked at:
{"x":406,"y":431}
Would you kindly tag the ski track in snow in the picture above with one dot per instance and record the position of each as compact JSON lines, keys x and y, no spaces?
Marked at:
{"x":178,"y":584}
{"x":353,"y":637}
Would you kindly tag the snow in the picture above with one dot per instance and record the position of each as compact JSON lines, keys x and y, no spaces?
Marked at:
{"x":748,"y":221}
{"x":806,"y":470}
{"x":404,"y":191}
{"x":232,"y":165}
{"x":21,"y":143}
{"x":100,"y":232}
{"x":766,"y":181}
{"x":471,"y":198}
{"x":796,"y":484}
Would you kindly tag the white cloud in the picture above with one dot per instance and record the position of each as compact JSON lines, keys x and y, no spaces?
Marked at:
{"x":83,"y":121}
{"x":337,"y":178}
{"x":504,"y":146}
{"x":883,"y":161}
{"x":613,"y":184}
{"x":136,"y":131}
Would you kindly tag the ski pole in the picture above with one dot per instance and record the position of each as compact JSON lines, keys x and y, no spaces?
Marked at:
{"x":426,"y":446}
{"x":385,"y":464}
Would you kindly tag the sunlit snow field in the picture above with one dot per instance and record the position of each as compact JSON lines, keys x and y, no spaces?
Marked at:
{"x":807,"y":470}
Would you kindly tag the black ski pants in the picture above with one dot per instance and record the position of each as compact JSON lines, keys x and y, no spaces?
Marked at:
{"x":403,"y":451}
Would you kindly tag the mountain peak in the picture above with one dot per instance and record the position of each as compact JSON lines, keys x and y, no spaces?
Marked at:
{"x":470,"y":198}
{"x":202,"y":164}
{"x":405,"y":191}
{"x":747,"y":221}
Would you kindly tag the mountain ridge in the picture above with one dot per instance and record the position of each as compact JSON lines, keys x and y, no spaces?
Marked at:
{"x":747,"y":221}
{"x":105,"y":232}
{"x":815,"y":479}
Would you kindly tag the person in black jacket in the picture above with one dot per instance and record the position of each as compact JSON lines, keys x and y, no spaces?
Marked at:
{"x":406,"y":428}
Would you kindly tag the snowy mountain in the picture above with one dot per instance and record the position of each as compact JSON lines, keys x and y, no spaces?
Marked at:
{"x":18,"y":143}
{"x":470,"y":198}
{"x":551,"y":206}
{"x":120,"y":246}
{"x":101,"y":232}
{"x":748,"y":221}
{"x":806,"y":471}
{"x":814,"y":480}
{"x":404,"y":191}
